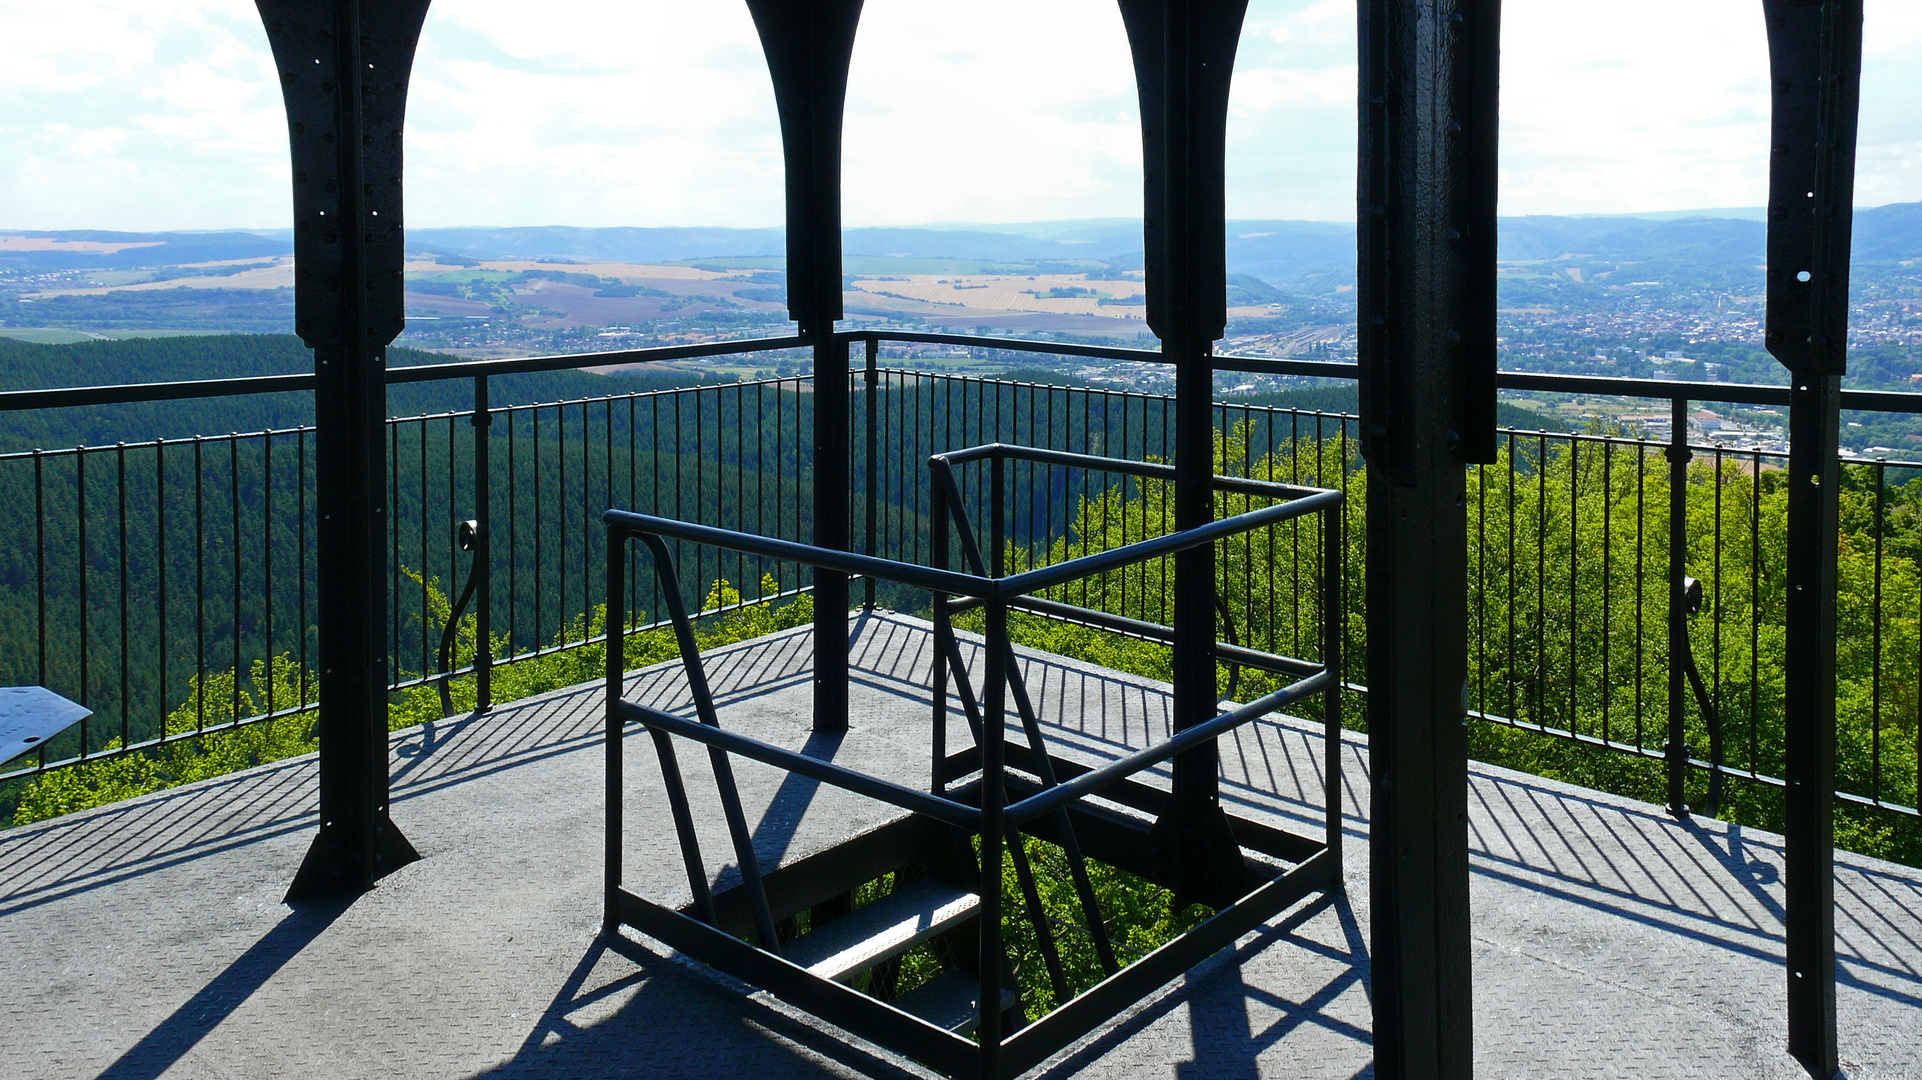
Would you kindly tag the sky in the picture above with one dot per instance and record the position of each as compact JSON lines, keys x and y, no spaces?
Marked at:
{"x":127,"y":114}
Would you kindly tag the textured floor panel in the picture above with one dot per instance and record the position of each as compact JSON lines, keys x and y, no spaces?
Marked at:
{"x":148,"y":939}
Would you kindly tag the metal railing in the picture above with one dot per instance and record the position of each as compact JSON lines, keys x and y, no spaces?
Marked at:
{"x":149,"y":571}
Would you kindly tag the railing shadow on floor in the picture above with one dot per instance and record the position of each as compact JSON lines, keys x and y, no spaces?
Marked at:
{"x":127,"y":840}
{"x":1224,"y":1040}
{"x":1703,"y":882}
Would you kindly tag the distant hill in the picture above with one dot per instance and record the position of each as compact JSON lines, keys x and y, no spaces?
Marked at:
{"x":1669,"y":244}
{"x":1888,"y":233}
{"x":137,"y":250}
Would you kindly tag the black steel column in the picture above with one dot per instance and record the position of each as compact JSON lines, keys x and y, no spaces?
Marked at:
{"x":808,"y":47}
{"x":1184,"y":58}
{"x":1815,"y":66}
{"x":1426,"y":290}
{"x":343,"y":72}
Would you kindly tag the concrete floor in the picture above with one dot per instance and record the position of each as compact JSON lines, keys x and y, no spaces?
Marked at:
{"x":148,"y":939}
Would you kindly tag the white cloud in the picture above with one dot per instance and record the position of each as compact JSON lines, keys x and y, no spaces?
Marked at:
{"x":1291,"y":112}
{"x":129,"y":114}
{"x":995,"y":111}
{"x":122,"y":115}
{"x":650,"y":113}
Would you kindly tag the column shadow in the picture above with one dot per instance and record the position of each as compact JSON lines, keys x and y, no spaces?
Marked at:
{"x":179,"y":1033}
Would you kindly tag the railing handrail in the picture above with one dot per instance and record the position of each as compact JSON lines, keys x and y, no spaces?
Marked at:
{"x":990,"y":589}
{"x":467,"y":369}
{"x":1241,"y":485}
{"x":1611,"y":385}
{"x":1884,"y":401}
{"x":130,"y":393}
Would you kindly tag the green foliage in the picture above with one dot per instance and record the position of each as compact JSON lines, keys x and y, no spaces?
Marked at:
{"x":1140,"y":917}
{"x":214,"y":705}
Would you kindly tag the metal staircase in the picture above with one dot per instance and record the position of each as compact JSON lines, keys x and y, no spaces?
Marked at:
{"x":796,"y":929}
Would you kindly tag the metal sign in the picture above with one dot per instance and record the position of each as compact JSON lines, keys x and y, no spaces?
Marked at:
{"x":30,"y":715}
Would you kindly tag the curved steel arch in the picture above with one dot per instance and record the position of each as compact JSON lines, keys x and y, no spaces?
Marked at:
{"x":809,"y":44}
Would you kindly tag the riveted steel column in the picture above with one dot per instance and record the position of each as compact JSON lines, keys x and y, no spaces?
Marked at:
{"x":808,"y":47}
{"x":1184,"y":57}
{"x":1426,"y":291}
{"x":1815,"y":66}
{"x":343,"y":69}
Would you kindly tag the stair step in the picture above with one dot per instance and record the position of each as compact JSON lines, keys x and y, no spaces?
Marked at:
{"x":881,"y":930}
{"x":949,"y":1000}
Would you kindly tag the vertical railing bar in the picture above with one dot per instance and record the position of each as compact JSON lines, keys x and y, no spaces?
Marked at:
{"x":993,"y":803}
{"x":1513,"y":595}
{"x":699,"y":397}
{"x":1574,"y":568}
{"x":267,"y":556}
{"x":919,"y":450}
{"x":633,"y":489}
{"x":426,"y":647}
{"x":1755,"y":608}
{"x":654,"y":498}
{"x":1641,"y":578}
{"x":1875,"y":638}
{"x":1541,"y":573}
{"x":560,"y":519}
{"x":300,"y":514}
{"x":1608,"y":575}
{"x":86,"y":601}
{"x":1294,"y":531}
{"x":1088,"y":478}
{"x":587,"y":518}
{"x":587,"y":511}
{"x":126,"y":685}
{"x":540,"y":512}
{"x":760,"y":457}
{"x":233,"y":498}
{"x":513,"y":535}
{"x":453,"y":538}
{"x":740,"y":481}
{"x":1169,"y":456}
{"x":40,"y":564}
{"x":1248,"y":539}
{"x":200,"y":588}
{"x":393,"y":527}
{"x":1481,"y":586}
{"x":160,"y":572}
{"x":1048,"y":511}
{"x":482,"y":472}
{"x":870,"y":356}
{"x":1715,"y":602}
{"x":781,"y":456}
{"x":679,"y":486}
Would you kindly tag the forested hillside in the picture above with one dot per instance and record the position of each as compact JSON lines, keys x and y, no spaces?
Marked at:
{"x":30,"y":366}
